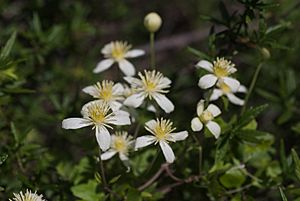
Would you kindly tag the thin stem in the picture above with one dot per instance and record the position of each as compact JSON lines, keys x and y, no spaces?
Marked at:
{"x":152,"y":51}
{"x":102,"y":172}
{"x":254,"y":79}
{"x":200,"y":159}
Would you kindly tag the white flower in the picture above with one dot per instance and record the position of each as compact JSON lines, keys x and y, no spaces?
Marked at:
{"x":120,"y":143}
{"x":107,"y":91}
{"x":118,"y":51}
{"x":220,"y":69}
{"x":206,"y":117}
{"x":99,"y":115}
{"x":28,"y":196}
{"x":224,"y":89}
{"x":152,"y":85}
{"x":162,"y":131}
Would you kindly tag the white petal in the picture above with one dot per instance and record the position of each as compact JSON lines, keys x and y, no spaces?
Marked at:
{"x":135,"y":100}
{"x":205,"y":65}
{"x":120,"y":118}
{"x":134,"y":53}
{"x":207,"y":81}
{"x":126,"y":67}
{"x":103,"y":65}
{"x":106,"y":49}
{"x":216,"y":94}
{"x":151,"y":108}
{"x":163,"y":102}
{"x":115,"y":105}
{"x":74,"y":123}
{"x":200,"y":107}
{"x":196,"y":124}
{"x":118,"y":89}
{"x":132,"y":80}
{"x":91,"y":90}
{"x":103,"y":137}
{"x":107,"y":155}
{"x":235,"y":100}
{"x":151,"y":124}
{"x":232,"y":83}
{"x":144,"y":141}
{"x":123,"y":157}
{"x":214,"y":128}
{"x":214,"y":110}
{"x":242,"y":89}
{"x":167,"y":151}
{"x":179,"y":135}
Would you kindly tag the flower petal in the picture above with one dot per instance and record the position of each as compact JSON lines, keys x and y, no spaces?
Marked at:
{"x":205,"y":65}
{"x":118,"y":89}
{"x":132,"y":80}
{"x":242,"y":89}
{"x":115,"y":105}
{"x":207,"y":81}
{"x":196,"y":124}
{"x":216,"y":94}
{"x":235,"y":100}
{"x":107,"y":49}
{"x":163,"y":102}
{"x":179,"y":135}
{"x":214,"y":128}
{"x":126,"y":67}
{"x":91,"y":90}
{"x":134,"y":53}
{"x":200,"y":107}
{"x":119,"y":118}
{"x":151,"y":124}
{"x":167,"y":151}
{"x":123,"y":157}
{"x":214,"y":110}
{"x":135,"y":100}
{"x":103,"y":65}
{"x":75,"y":123}
{"x":103,"y":137}
{"x":144,"y":141}
{"x":232,"y":83}
{"x":107,"y":155}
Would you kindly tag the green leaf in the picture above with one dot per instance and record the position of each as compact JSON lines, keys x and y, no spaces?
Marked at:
{"x":283,"y":197}
{"x":115,"y":179}
{"x":3,"y":158}
{"x":15,"y":133}
{"x":297,"y":163}
{"x":296,"y":128}
{"x":249,"y":115}
{"x":198,"y":53}
{"x":233,"y":178}
{"x":254,"y":136}
{"x":87,"y":191}
{"x":133,"y":194}
{"x":8,"y":46}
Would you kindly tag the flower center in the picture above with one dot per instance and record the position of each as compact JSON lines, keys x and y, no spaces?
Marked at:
{"x":163,"y":128}
{"x":223,"y":67}
{"x":105,"y":90}
{"x":98,"y":113}
{"x":119,"y":49}
{"x":151,"y":82}
{"x":206,"y":116}
{"x":120,"y":144}
{"x":224,"y":87}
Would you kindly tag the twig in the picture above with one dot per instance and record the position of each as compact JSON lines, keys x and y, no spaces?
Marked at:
{"x":239,"y":189}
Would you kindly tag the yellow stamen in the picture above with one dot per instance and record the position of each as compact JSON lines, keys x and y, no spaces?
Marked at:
{"x":151,"y":82}
{"x":105,"y":90}
{"x":119,"y":49}
{"x":163,"y":128}
{"x":206,"y":116}
{"x":98,"y":113}
{"x":222,"y":67}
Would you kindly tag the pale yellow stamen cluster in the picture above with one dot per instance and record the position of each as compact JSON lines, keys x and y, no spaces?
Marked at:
{"x":120,"y":143}
{"x":98,"y":112}
{"x":206,"y":116}
{"x":28,"y":196}
{"x":119,"y":49}
{"x":105,"y":89}
{"x":223,"y":67}
{"x":163,"y":128}
{"x":224,"y":87}
{"x":151,"y":82}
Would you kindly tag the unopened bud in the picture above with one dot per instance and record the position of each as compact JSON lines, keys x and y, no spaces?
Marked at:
{"x":152,"y":22}
{"x":265,"y":53}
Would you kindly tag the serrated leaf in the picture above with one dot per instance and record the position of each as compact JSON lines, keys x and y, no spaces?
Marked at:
{"x":8,"y":46}
{"x":297,"y":163}
{"x":249,"y":115}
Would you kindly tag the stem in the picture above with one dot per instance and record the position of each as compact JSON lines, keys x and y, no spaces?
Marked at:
{"x":200,"y":159}
{"x":102,"y":172}
{"x":153,"y":178}
{"x":254,"y":79}
{"x":152,"y":51}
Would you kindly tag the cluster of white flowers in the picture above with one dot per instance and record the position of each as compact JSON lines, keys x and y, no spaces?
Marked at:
{"x":112,"y":99}
{"x":219,"y":76}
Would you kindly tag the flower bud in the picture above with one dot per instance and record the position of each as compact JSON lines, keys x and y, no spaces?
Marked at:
{"x":265,"y":53}
{"x":152,"y":22}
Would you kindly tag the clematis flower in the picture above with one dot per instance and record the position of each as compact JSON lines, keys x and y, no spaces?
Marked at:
{"x":151,"y":85}
{"x":206,"y":116}
{"x":121,"y":143}
{"x":28,"y":196}
{"x":107,"y":91}
{"x":219,"y":69}
{"x":118,"y":51}
{"x":224,"y":89}
{"x":162,"y":133}
{"x":98,"y":114}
